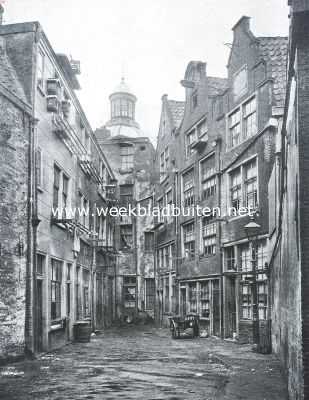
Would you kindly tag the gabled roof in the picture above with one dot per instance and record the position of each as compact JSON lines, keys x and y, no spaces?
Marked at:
{"x":274,"y":51}
{"x":8,"y":75}
{"x":177,"y":109}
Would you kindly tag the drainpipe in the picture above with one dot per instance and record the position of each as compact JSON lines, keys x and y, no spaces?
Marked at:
{"x":30,"y":317}
{"x":219,"y":144}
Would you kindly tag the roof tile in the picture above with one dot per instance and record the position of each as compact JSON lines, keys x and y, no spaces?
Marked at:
{"x":274,"y":51}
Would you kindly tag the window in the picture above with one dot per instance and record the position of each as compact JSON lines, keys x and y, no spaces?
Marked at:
{"x":242,"y":123}
{"x":77,"y":294}
{"x":57,"y":173}
{"x":86,"y":298}
{"x":190,"y":139}
{"x":236,"y":197}
{"x":209,"y":231}
{"x":245,"y":258}
{"x":243,"y":181}
{"x":249,"y":118}
{"x":235,"y":128}
{"x":39,"y":167}
{"x":164,"y":163}
{"x":262,"y":299}
{"x":126,"y":195}
{"x":129,"y":290}
{"x":60,"y":189}
{"x":56,"y":276}
{"x":149,"y":241}
{"x":124,"y":108}
{"x":165,"y":257}
{"x":189,"y":240}
{"x":166,"y":295}
{"x":68,"y":289}
{"x":188,"y":188}
{"x":202,"y":128}
{"x":160,"y":207}
{"x":208,"y":178}
{"x":150,"y":293}
{"x":246,"y":304}
{"x":205,"y":299}
{"x":126,"y":153}
{"x":85,"y":212}
{"x":209,"y":244}
{"x":230,"y":259}
{"x":169,"y":203}
{"x":193,"y":297}
{"x":126,"y":235}
{"x":250,"y":172}
{"x":65,"y":189}
{"x":40,"y":69}
{"x":40,"y":264}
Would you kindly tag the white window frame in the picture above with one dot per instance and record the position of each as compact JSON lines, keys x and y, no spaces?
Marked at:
{"x":242,"y":167}
{"x":240,"y":108}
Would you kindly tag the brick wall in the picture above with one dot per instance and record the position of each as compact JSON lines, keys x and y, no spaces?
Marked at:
{"x":14,"y":158}
{"x":290,"y":331}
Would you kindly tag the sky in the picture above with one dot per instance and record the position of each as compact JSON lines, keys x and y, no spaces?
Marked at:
{"x":150,"y":41}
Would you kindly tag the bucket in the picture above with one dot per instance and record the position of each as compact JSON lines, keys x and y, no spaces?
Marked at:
{"x":82,"y":331}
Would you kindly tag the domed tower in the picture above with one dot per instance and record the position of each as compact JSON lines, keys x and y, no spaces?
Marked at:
{"x":122,"y":120}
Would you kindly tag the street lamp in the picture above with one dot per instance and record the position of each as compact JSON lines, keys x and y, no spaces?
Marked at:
{"x":252,"y":230}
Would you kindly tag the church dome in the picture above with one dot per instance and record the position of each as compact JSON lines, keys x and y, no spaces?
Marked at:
{"x":122,"y":121}
{"x":122,"y":87}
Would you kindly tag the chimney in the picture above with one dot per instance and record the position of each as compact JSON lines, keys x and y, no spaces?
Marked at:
{"x":1,"y":14}
{"x":243,"y":23}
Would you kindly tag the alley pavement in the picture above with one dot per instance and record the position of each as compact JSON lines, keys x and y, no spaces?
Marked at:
{"x":145,"y":363}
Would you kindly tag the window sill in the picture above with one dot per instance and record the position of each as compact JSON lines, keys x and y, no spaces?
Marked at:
{"x":40,"y":189}
{"x":206,"y":256}
{"x":56,"y":325}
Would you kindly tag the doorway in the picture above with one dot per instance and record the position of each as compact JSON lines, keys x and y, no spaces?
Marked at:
{"x":216,"y":307}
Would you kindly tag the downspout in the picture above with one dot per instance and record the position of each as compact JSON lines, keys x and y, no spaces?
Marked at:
{"x":221,"y":249}
{"x":30,"y":315}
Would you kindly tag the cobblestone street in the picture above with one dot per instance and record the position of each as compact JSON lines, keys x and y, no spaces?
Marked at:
{"x":145,"y":363}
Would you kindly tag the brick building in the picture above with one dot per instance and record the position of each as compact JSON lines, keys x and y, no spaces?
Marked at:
{"x":16,"y":190}
{"x":131,"y":156}
{"x":188,"y":266}
{"x":289,"y":215}
{"x":70,"y":262}
{"x":252,"y":111}
{"x":165,"y":189}
{"x":224,"y":152}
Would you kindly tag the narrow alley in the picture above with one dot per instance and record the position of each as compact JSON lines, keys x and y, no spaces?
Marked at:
{"x":145,"y":363}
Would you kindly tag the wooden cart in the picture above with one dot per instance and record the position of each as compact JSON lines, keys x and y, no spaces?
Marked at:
{"x":184,"y":328}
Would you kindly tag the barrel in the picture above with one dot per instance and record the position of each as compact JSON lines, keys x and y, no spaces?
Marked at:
{"x":82,"y":331}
